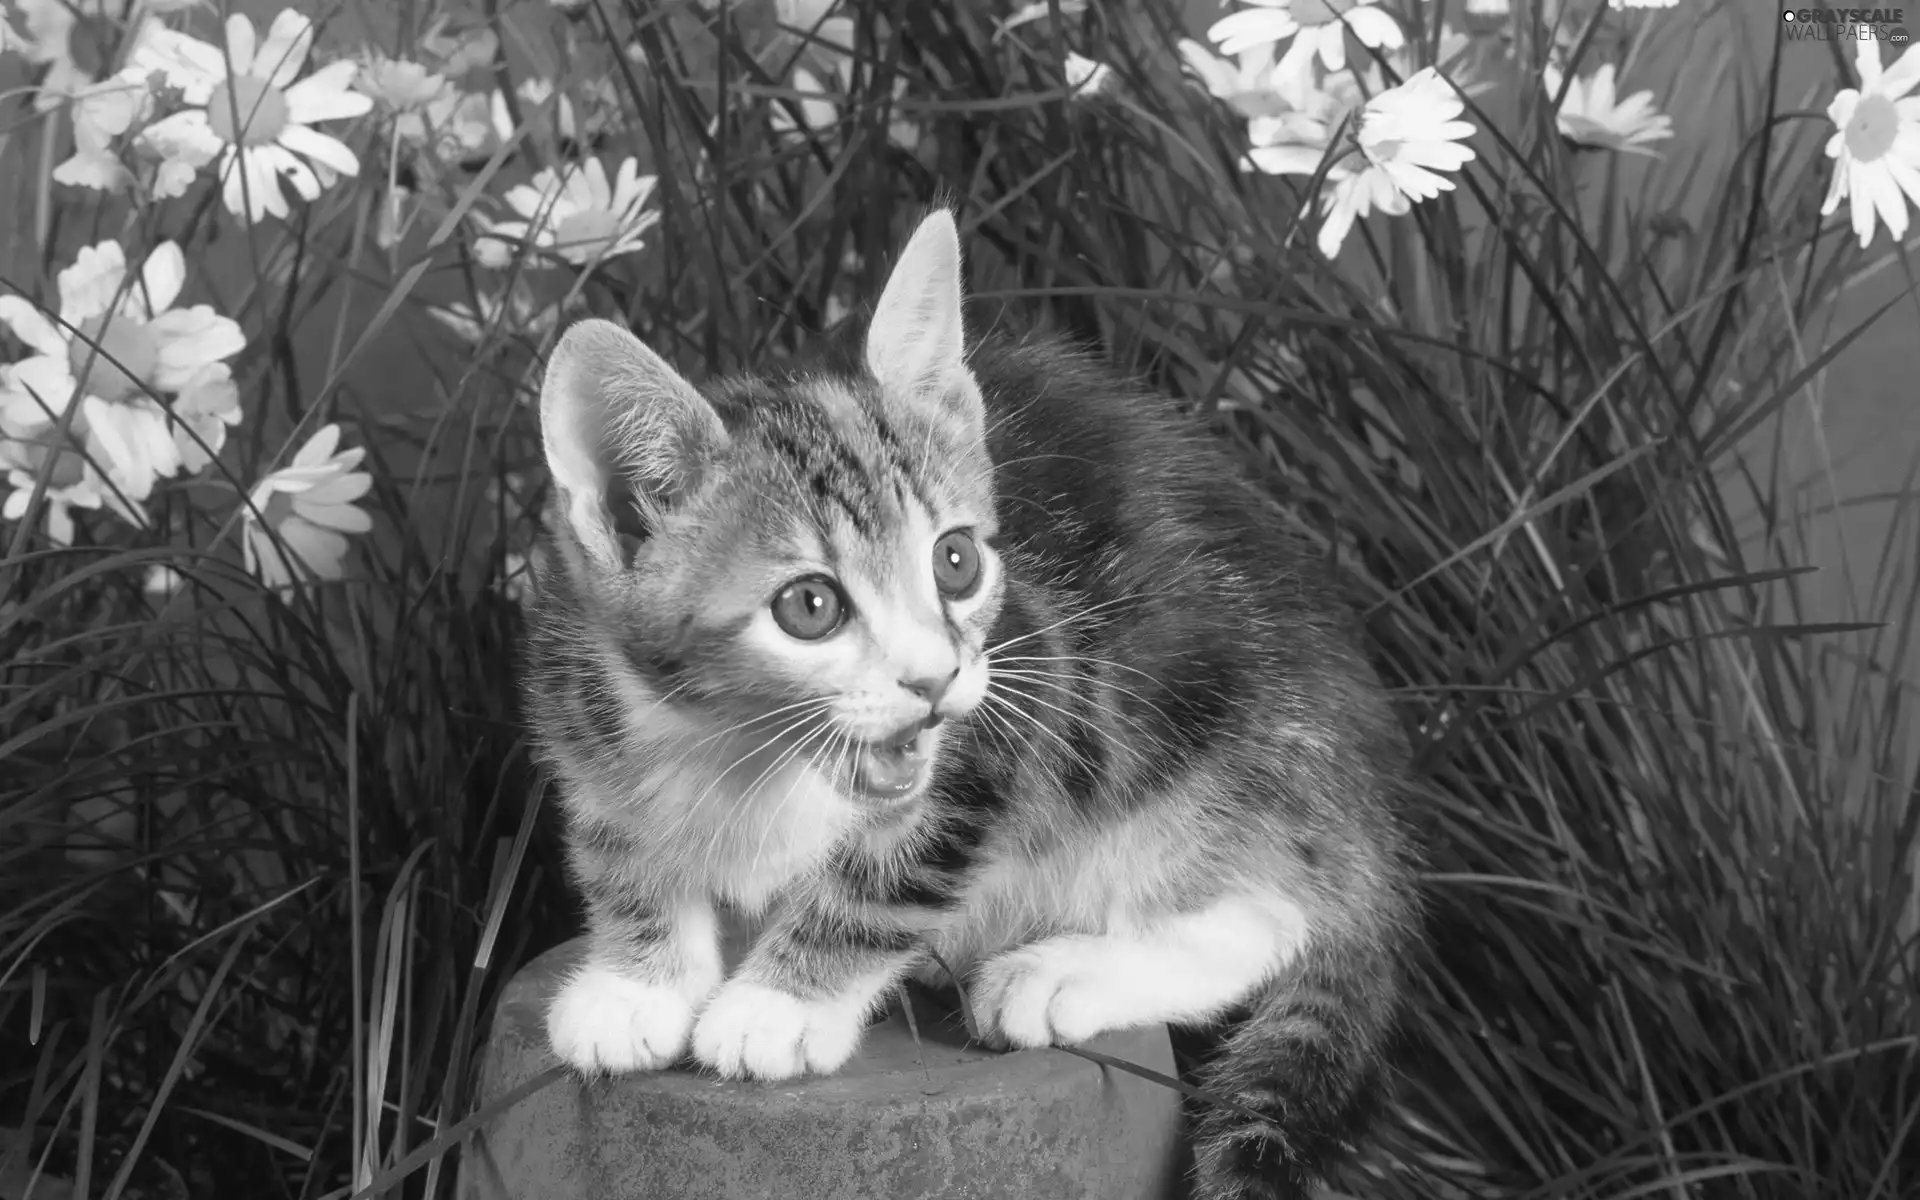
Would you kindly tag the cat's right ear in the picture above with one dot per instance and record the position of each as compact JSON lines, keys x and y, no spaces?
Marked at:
{"x":620,"y":427}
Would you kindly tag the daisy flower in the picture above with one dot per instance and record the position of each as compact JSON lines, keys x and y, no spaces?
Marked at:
{"x":400,"y":85}
{"x":459,"y":51}
{"x":145,"y":346}
{"x":1295,"y":141}
{"x":1038,"y":10}
{"x":102,"y":112}
{"x":1876,"y":150}
{"x":573,"y":213}
{"x":1318,"y":28}
{"x":1406,"y":134}
{"x":453,"y":127}
{"x":1244,"y":82}
{"x":250,"y":108}
{"x":82,"y":489}
{"x":162,"y":581}
{"x":1593,"y":115}
{"x":309,"y":505}
{"x":817,"y":109}
{"x":1085,"y":76}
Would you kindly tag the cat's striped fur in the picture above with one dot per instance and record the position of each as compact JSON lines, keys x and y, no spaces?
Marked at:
{"x":1162,"y":778}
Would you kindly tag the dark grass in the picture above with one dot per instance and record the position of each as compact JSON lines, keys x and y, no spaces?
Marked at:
{"x":265,"y":861}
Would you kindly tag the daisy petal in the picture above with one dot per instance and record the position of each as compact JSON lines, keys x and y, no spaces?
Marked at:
{"x":319,"y":447}
{"x":161,"y":279}
{"x":325,"y":95}
{"x":188,"y":340}
{"x":240,"y":44}
{"x":188,"y":63}
{"x":32,"y":326}
{"x":89,"y":287}
{"x":327,"y":151}
{"x":343,"y":517}
{"x":284,"y":52}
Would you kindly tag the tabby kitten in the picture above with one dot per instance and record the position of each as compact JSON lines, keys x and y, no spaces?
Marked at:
{"x":982,"y":653}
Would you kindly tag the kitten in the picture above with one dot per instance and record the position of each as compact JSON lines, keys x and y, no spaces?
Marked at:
{"x":980,"y":652}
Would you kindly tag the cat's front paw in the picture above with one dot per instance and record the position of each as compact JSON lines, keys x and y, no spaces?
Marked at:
{"x":754,"y":1031}
{"x":605,"y":1021}
{"x":1051,"y":993}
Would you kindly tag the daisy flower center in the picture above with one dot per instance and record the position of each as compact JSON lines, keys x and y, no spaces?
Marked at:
{"x":1875,"y":123}
{"x":277,"y":509}
{"x":129,"y":344}
{"x":1384,"y":151}
{"x":585,"y":230}
{"x":259,"y":107}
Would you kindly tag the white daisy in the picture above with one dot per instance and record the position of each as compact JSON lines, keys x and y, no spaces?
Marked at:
{"x":1593,"y":115}
{"x":248,"y":110}
{"x":153,"y":348}
{"x":818,"y":112}
{"x":1244,"y":82}
{"x":81,"y":488}
{"x":309,"y":504}
{"x":453,"y":127}
{"x":573,"y":213}
{"x":1318,"y":28}
{"x":1406,"y":134}
{"x":102,"y":112}
{"x":400,"y":85}
{"x":1295,"y":141}
{"x":1085,"y":76}
{"x":1876,"y":152}
{"x":162,"y":581}
{"x":1038,"y":10}
{"x":460,"y":52}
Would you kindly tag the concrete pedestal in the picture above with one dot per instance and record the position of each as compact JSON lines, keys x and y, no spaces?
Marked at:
{"x":940,"y":1120}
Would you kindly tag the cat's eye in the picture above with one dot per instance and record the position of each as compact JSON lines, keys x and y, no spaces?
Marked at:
{"x":809,"y":608}
{"x":956,"y":564}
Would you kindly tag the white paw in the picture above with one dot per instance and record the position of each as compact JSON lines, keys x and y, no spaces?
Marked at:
{"x":1046,"y":994}
{"x":754,"y":1031}
{"x":605,"y":1021}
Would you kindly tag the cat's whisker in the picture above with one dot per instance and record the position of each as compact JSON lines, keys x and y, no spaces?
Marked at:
{"x":1069,"y":715}
{"x":1083,"y":614}
{"x":771,"y":820}
{"x":811,"y":703}
{"x":1066,"y":685}
{"x":1076,"y":658}
{"x":1009,"y":707}
{"x":744,"y":795}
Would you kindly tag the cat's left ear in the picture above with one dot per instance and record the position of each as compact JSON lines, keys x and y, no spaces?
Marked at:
{"x":916,"y":344}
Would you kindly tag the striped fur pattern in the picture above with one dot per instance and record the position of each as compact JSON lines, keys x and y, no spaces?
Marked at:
{"x":1149,"y":776}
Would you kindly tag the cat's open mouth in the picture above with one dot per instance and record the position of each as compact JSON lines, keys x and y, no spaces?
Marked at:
{"x":892,"y":768}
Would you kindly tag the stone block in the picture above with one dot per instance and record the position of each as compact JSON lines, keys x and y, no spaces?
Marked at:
{"x":932,"y":1119}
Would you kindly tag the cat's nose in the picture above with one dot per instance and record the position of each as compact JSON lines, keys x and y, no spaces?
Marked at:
{"x":931,"y":688}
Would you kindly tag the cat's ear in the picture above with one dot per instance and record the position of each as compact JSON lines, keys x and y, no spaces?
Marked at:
{"x":620,"y":428}
{"x":916,"y":343}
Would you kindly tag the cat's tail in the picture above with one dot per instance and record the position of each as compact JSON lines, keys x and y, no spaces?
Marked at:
{"x":1305,"y":1070}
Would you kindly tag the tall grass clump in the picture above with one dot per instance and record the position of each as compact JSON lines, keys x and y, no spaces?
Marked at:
{"x":1521,"y":356}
